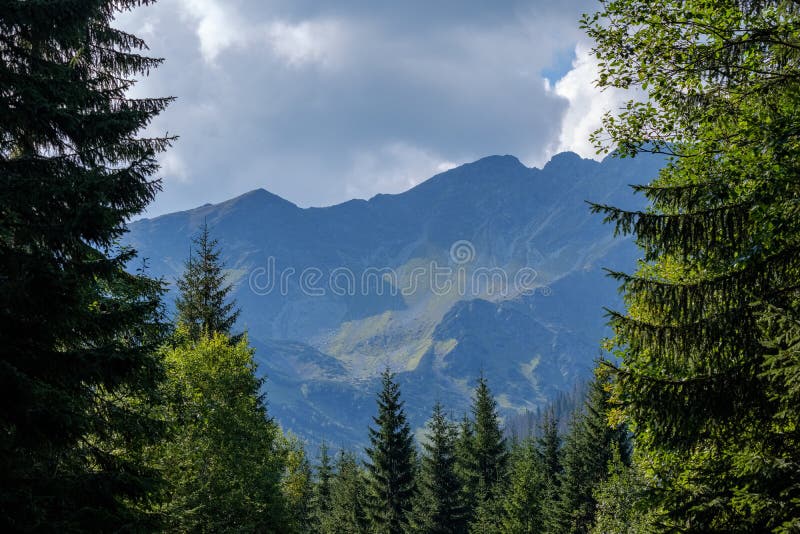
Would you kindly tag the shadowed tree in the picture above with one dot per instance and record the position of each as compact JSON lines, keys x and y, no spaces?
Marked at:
{"x":549,"y":450}
{"x":465,"y":467}
{"x":438,"y":507}
{"x":77,"y":361}
{"x":390,"y":467}
{"x":588,"y":448}
{"x":322,"y":486}
{"x":488,"y":460}
{"x":489,"y":451}
{"x":348,"y":499}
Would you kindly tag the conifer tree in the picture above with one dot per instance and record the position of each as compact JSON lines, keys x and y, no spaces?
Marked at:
{"x":77,"y":361}
{"x":348,"y":499}
{"x":525,"y":496}
{"x":465,"y":467}
{"x":721,"y":247}
{"x":390,"y":467}
{"x":225,"y":457}
{"x":204,"y":305}
{"x":549,"y":451}
{"x":437,"y":506}
{"x":322,"y":486}
{"x":622,"y":507}
{"x":487,"y":517}
{"x":489,"y":456}
{"x":297,"y":487}
{"x":489,"y":447}
{"x":588,"y":449}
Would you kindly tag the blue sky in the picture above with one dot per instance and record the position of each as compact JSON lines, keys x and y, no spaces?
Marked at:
{"x":320,"y":102}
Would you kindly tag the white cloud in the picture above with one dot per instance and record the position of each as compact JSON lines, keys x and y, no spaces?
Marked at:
{"x":587,"y":104}
{"x":306,"y":42}
{"x":321,"y":101}
{"x":173,"y":167}
{"x":392,"y":168}
{"x":217,"y":27}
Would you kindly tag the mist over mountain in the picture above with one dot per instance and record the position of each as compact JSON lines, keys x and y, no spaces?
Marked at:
{"x":490,"y":267}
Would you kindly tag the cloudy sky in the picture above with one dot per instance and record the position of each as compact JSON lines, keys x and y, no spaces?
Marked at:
{"x":321,"y":101}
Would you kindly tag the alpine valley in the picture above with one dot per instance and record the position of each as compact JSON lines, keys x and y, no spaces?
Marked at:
{"x":490,"y":267}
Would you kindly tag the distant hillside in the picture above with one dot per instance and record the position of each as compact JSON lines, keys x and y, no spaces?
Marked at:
{"x":491,"y":266}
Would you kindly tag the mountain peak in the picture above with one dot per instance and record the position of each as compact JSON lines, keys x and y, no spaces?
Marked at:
{"x":496,"y":161}
{"x":262,"y":194}
{"x":564,"y":160}
{"x":316,"y":286}
{"x":258,"y":198}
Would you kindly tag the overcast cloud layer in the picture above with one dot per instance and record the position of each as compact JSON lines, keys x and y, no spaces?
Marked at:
{"x":320,"y":102}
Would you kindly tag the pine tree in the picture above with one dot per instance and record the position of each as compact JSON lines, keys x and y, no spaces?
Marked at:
{"x":549,"y":451}
{"x":322,"y":486}
{"x":721,"y":247}
{"x":391,"y":461}
{"x":203,"y":305}
{"x":77,"y":363}
{"x":466,"y":468}
{"x":348,"y":499}
{"x":489,"y":456}
{"x":297,"y":488}
{"x":437,"y":507}
{"x":588,"y":449}
{"x":489,"y":449}
{"x":524,"y":499}
{"x":225,"y":457}
{"x":621,"y":500}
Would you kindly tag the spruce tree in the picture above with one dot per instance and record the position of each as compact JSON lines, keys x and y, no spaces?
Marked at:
{"x":391,"y":462}
{"x":204,"y":305}
{"x":322,"y":486}
{"x":588,"y":449}
{"x":437,"y":507}
{"x":465,"y":467}
{"x":549,"y":451}
{"x":489,"y":456}
{"x":525,"y":496}
{"x":701,"y":350}
{"x":622,"y":507}
{"x":489,"y":447}
{"x":77,"y":362}
{"x":225,"y":457}
{"x":297,"y":488}
{"x":348,"y":499}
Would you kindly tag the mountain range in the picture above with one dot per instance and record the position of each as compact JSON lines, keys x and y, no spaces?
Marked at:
{"x":491,"y":267}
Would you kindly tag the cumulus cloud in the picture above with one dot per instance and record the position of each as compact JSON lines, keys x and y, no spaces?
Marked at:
{"x":587,"y":104}
{"x":392,"y":168}
{"x":173,"y":167}
{"x":314,"y":41}
{"x":320,"y":102}
{"x":220,"y":27}
{"x":217,"y":27}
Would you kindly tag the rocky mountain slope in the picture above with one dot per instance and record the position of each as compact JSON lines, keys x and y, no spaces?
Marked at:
{"x":491,"y":267}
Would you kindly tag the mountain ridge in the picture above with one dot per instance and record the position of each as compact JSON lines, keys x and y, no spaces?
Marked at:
{"x":483,"y":223}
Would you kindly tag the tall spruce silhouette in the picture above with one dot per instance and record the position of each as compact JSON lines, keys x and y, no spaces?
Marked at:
{"x":204,"y":305}
{"x":77,"y":364}
{"x":438,"y":507}
{"x":489,"y":450}
{"x":390,"y":467}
